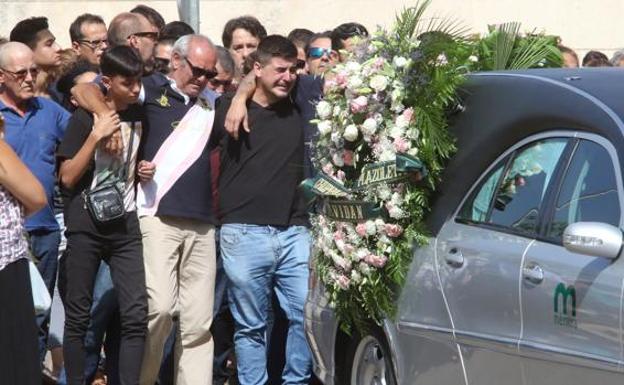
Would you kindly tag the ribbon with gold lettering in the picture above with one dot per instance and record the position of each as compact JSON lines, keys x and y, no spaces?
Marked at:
{"x":350,"y":211}
{"x":391,"y":171}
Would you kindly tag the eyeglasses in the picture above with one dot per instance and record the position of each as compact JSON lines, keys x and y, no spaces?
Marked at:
{"x":20,"y":75}
{"x":161,"y":64}
{"x":94,"y":44}
{"x":150,"y":35}
{"x":318,"y":52}
{"x":199,"y":72}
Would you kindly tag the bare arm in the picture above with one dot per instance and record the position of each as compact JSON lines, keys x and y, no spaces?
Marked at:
{"x":19,"y":181}
{"x":237,"y":113}
{"x":72,"y":169}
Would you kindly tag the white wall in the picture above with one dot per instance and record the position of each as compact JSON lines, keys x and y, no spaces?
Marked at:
{"x":583,"y":24}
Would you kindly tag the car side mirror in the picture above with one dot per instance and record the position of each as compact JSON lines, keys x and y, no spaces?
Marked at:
{"x":593,"y":238}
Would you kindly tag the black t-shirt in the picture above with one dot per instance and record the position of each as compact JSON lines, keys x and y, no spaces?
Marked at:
{"x":191,"y":196}
{"x":261,"y":171}
{"x":77,"y":218}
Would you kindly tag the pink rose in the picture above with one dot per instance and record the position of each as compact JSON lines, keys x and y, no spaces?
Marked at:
{"x":343,"y":281}
{"x":393,"y":230}
{"x":378,"y":261}
{"x":408,"y":114}
{"x":358,"y":105}
{"x":347,"y":156}
{"x":338,"y":236}
{"x":361,"y":229}
{"x":401,"y":145}
{"x":328,"y":169}
{"x":348,"y":249}
{"x":341,"y":79}
{"x":341,"y":176}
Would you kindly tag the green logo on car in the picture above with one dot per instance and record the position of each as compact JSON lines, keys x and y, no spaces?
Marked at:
{"x":565,"y":305}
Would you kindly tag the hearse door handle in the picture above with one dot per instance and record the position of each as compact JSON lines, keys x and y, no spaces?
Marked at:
{"x":533,"y":274}
{"x":454,"y":258}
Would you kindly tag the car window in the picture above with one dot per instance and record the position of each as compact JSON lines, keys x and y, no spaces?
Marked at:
{"x":513,"y":201}
{"x":588,"y":192}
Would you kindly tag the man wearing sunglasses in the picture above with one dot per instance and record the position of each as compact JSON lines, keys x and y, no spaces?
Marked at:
{"x":34,"y":127}
{"x":89,"y":37}
{"x":177,"y":221}
{"x":319,"y":53}
{"x":136,"y":31}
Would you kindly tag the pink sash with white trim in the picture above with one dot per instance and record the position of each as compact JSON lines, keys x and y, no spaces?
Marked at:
{"x":177,"y":153}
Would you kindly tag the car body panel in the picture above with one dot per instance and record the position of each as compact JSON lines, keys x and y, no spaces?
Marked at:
{"x":437,"y":337}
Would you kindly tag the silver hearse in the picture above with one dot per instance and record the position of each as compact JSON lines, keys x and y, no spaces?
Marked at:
{"x":523,"y":279}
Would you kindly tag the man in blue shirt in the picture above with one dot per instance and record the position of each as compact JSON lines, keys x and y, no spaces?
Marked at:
{"x":34,"y":127}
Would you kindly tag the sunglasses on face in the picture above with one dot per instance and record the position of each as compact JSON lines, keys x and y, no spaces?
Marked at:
{"x":318,"y":52}
{"x":199,"y":72}
{"x":20,"y":75}
{"x":150,"y":35}
{"x":94,"y":44}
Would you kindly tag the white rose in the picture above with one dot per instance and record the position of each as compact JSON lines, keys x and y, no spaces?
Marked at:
{"x":399,"y":61}
{"x":380,"y":224}
{"x":361,"y":254}
{"x":413,"y":151}
{"x":371,"y":229}
{"x":397,"y":131}
{"x":335,"y":138}
{"x":379,"y":83}
{"x":395,"y":212}
{"x":353,"y":66}
{"x":351,"y":133}
{"x":323,"y":109}
{"x":355,"y":82}
{"x":473,"y":58}
{"x":337,"y":159}
{"x":369,"y":127}
{"x":402,"y":121}
{"x":384,"y":192}
{"x":356,"y":277}
{"x":324,"y":127}
{"x":387,"y":155}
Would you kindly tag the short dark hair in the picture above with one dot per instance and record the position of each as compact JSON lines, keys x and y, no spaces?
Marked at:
{"x":345,"y":31}
{"x":68,"y":79}
{"x":75,"y":29}
{"x":275,"y":46}
{"x":300,"y":37}
{"x":26,"y":31}
{"x":596,"y":59}
{"x":121,"y":60}
{"x":152,"y":15}
{"x":316,"y":36}
{"x":176,"y":29}
{"x":248,"y":23}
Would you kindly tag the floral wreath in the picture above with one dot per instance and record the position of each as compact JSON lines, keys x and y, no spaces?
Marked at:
{"x":381,"y":148}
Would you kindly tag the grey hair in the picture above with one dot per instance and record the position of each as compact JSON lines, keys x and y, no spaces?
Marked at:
{"x":7,"y":50}
{"x":618,"y":56}
{"x":224,"y":58}
{"x":182,"y":46}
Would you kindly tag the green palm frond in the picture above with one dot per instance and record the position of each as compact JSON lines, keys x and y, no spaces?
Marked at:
{"x":408,"y":20}
{"x":505,"y":38}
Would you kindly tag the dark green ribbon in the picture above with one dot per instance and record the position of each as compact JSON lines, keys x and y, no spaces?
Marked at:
{"x":350,"y":211}
{"x":390,"y":171}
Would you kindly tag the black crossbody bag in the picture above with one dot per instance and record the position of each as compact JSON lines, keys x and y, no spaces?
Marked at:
{"x":105,"y":202}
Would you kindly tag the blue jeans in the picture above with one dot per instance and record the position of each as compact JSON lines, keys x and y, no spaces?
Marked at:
{"x":257,"y":260}
{"x":44,"y":245}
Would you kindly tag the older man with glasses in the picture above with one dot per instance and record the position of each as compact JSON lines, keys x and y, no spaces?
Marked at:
{"x":34,"y":127}
{"x":89,"y":37}
{"x":176,"y":210}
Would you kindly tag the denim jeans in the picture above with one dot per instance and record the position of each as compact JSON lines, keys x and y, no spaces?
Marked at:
{"x":44,"y":245}
{"x":257,"y":260}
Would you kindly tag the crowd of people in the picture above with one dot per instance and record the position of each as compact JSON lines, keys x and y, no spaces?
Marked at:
{"x":152,"y":176}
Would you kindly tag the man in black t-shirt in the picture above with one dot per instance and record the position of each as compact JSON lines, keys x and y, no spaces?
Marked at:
{"x":265,"y":243}
{"x":85,"y":166}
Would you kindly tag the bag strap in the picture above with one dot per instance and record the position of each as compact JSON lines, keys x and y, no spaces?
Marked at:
{"x":124,"y":173}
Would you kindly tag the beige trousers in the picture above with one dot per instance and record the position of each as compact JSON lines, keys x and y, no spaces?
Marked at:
{"x":179,"y":257}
